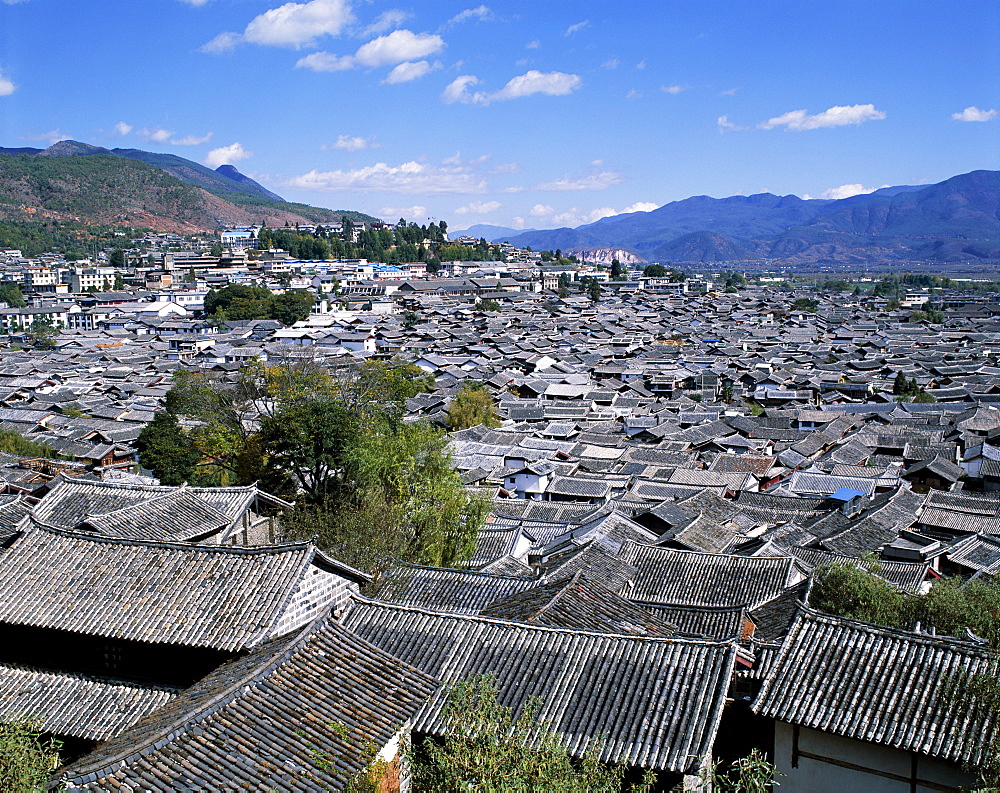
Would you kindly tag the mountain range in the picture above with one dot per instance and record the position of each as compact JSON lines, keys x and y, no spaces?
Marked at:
{"x":73,"y":181}
{"x":955,"y":220}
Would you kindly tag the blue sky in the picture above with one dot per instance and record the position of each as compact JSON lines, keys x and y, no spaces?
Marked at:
{"x":531,"y":115}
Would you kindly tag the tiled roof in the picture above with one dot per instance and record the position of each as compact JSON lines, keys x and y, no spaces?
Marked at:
{"x":667,"y":576}
{"x":578,"y":604}
{"x":891,"y":689}
{"x":75,"y":705}
{"x":228,"y":598}
{"x":657,"y":701}
{"x":267,"y":721}
{"x":445,"y":589}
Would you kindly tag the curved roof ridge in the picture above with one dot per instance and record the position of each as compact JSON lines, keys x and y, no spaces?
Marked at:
{"x":361,"y":600}
{"x":239,"y":550}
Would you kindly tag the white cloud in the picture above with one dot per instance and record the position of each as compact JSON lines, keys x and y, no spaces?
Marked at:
{"x":837,"y":116}
{"x":50,"y":137}
{"x":580,"y":217}
{"x":641,"y":65}
{"x":192,"y":140}
{"x":195,"y":3}
{"x":159,"y":135}
{"x":527,"y":84}
{"x":407,"y":178}
{"x":458,"y":91}
{"x":7,"y":86}
{"x":634,"y":93}
{"x":392,"y":214}
{"x":11,"y":2}
{"x":479,"y":208}
{"x":387,"y":20}
{"x":325,"y":62}
{"x":973,"y":113}
{"x":221,"y":43}
{"x":533,"y":45}
{"x":673,"y":89}
{"x":611,"y":63}
{"x":122,"y":128}
{"x":506,"y":167}
{"x":479,"y":13}
{"x":298,"y":24}
{"x":845,"y":191}
{"x":596,"y":181}
{"x":536,"y":82}
{"x":397,"y":47}
{"x":724,"y":123}
{"x":352,"y":143}
{"x":410,"y":70}
{"x":576,"y":28}
{"x":729,"y":92}
{"x":226,"y":155}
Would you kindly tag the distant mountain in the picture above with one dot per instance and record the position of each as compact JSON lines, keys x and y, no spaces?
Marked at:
{"x":488,"y":232}
{"x":190,"y":172}
{"x":76,"y":181}
{"x":955,"y":219}
{"x":230,"y":172}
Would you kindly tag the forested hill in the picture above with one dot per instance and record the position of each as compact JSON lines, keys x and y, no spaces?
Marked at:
{"x":75,"y":182}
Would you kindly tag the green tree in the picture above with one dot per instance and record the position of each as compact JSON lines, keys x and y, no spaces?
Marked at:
{"x":10,"y":293}
{"x":618,"y":273}
{"x":472,"y":405}
{"x":292,"y":306}
{"x":488,"y":305}
{"x":117,"y":258}
{"x":26,"y":758}
{"x":726,"y":394}
{"x":309,"y":441}
{"x":239,"y":302}
{"x":15,"y":443}
{"x":166,"y":450}
{"x":43,"y":333}
{"x":654,"y":271}
{"x":489,"y":748}
{"x":216,"y":249}
{"x":805,"y":304}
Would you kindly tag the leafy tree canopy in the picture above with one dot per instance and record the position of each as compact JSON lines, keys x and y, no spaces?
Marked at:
{"x":472,"y":405}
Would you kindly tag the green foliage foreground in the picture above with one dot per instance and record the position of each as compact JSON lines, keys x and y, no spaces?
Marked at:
{"x":490,"y":749}
{"x":26,"y":758}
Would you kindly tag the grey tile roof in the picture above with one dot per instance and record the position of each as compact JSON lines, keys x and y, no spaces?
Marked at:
{"x":262,"y":721}
{"x":578,"y":604}
{"x":70,"y":501}
{"x":446,"y":589}
{"x":667,"y":576}
{"x":892,"y":689}
{"x":76,"y":705}
{"x":228,"y":598}
{"x":657,"y":701}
